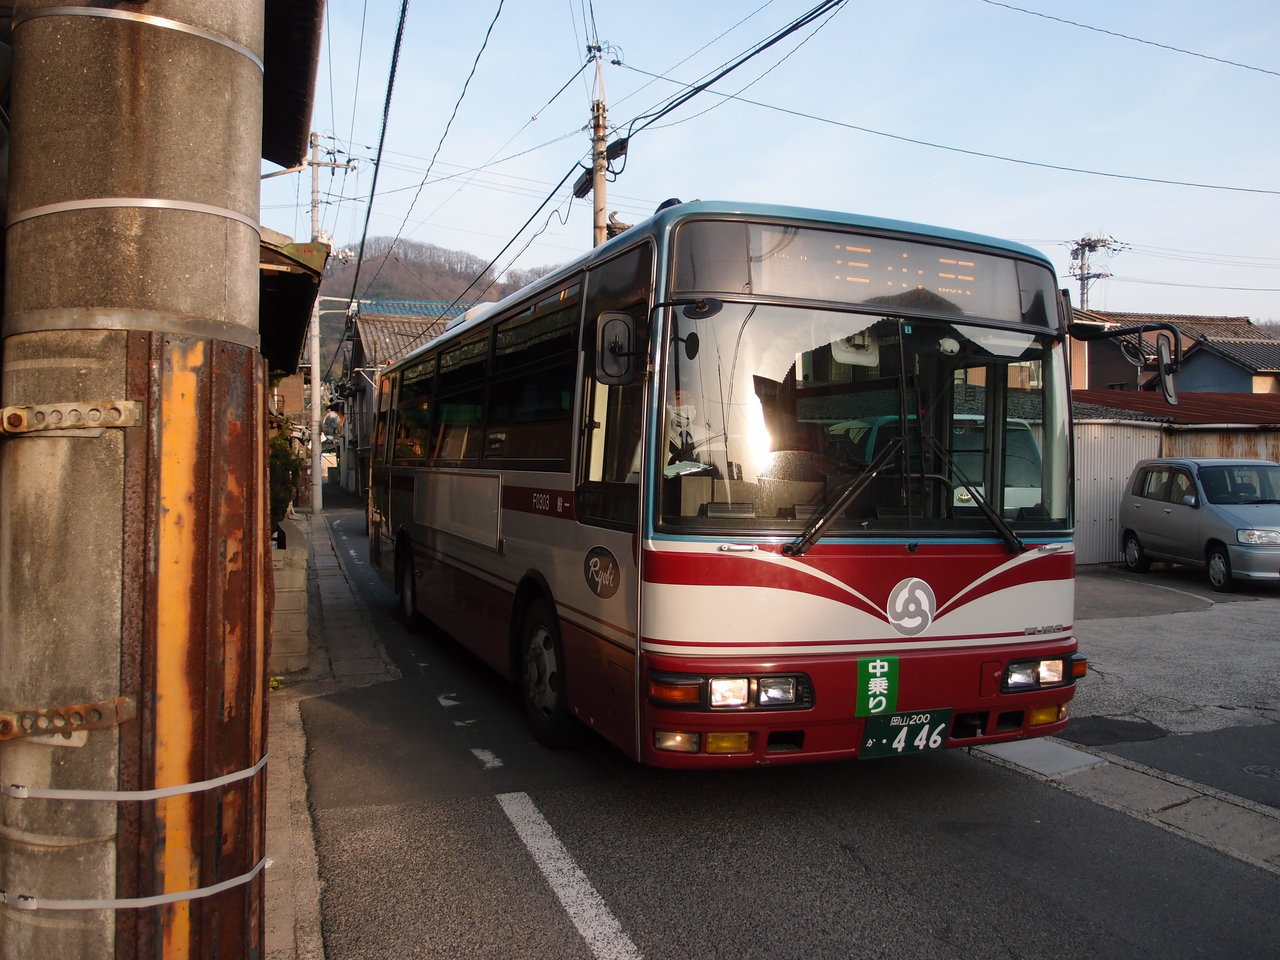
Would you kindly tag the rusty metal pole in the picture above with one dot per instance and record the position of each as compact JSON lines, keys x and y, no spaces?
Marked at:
{"x":133,"y":528}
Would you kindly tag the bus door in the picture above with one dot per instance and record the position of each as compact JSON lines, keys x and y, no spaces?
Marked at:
{"x":607,"y":502}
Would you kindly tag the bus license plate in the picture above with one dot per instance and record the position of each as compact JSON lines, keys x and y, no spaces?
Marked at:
{"x":896,"y":734}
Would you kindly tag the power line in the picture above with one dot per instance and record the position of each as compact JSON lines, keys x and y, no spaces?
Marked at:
{"x":692,"y":91}
{"x":962,"y":150}
{"x":1215,"y":259}
{"x":816,"y":30}
{"x":443,"y":136}
{"x":678,"y":63}
{"x":355,"y":94}
{"x":473,"y":174}
{"x":382,"y":138}
{"x":507,"y":246}
{"x":1198,"y":286}
{"x":1124,"y":36}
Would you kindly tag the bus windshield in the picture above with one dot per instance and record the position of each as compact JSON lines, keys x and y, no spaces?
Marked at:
{"x":941,"y":426}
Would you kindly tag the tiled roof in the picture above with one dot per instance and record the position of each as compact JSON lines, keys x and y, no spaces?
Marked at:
{"x":1243,"y":408}
{"x":414,"y":308}
{"x":386,"y":338}
{"x":1237,"y":339}
{"x":1191,"y":327}
{"x":1257,"y":356}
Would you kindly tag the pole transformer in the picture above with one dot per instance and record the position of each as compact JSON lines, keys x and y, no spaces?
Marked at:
{"x":133,"y":516}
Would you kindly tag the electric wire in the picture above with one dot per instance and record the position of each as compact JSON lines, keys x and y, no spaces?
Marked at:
{"x":355,"y":94}
{"x":382,"y":139}
{"x":443,"y":136}
{"x":961,"y":150}
{"x":673,"y":104}
{"x":816,"y":30}
{"x":471,"y":175}
{"x":682,"y":62}
{"x":692,"y":91}
{"x":506,"y":247}
{"x":1125,"y":36}
{"x":1198,"y":286}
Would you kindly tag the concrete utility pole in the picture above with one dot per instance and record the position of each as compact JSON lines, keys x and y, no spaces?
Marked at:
{"x":316,"y":394}
{"x":1080,"y":259}
{"x":133,"y":521}
{"x":599,"y":163}
{"x":317,"y":415}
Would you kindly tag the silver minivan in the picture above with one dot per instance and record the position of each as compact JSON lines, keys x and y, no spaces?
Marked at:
{"x":1220,"y":515}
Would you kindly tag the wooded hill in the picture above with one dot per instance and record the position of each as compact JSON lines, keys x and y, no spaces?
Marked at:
{"x":413,"y":271}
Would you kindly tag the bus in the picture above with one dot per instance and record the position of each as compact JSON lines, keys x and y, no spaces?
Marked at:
{"x":738,"y":488}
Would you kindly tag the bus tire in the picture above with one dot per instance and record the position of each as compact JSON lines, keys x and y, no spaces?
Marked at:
{"x":407,"y":591}
{"x":542,"y":685}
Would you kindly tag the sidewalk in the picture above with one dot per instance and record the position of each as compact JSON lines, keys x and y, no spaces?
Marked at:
{"x":344,"y":652}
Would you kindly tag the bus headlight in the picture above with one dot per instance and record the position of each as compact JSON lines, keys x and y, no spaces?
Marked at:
{"x":1034,"y":674}
{"x":730,"y":691}
{"x":691,"y":691}
{"x":775,"y":691}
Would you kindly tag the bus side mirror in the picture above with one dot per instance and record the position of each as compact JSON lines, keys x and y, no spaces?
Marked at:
{"x":1164,"y":361}
{"x":616,"y":357}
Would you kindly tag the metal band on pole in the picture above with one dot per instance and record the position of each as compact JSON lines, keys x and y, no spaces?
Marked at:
{"x":19,"y":792}
{"x":143,"y":202}
{"x":154,"y":321}
{"x":21,"y":901}
{"x":162,"y":22}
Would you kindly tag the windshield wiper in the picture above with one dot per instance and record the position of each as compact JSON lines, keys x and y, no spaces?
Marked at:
{"x":818,"y":524}
{"x":1011,"y":539}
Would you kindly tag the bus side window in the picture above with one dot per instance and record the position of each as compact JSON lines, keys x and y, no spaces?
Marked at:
{"x":460,"y":405}
{"x":413,"y":411}
{"x":530,"y":398}
{"x":612,"y":416}
{"x":381,"y":421}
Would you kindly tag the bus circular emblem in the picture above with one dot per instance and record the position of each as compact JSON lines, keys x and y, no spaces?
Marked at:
{"x":602,"y":573}
{"x":911,"y":607}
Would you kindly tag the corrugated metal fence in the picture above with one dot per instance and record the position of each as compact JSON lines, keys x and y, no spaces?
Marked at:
{"x":1105,"y":455}
{"x":1106,"y":452}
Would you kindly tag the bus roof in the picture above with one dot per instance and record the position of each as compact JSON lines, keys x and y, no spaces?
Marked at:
{"x":666,"y":217}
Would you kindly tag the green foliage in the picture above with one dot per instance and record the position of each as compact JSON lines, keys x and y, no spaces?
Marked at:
{"x":284,"y":470}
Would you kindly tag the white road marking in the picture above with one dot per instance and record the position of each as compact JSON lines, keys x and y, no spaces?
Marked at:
{"x":488,"y":759}
{"x":586,"y":908}
{"x":446,"y":700}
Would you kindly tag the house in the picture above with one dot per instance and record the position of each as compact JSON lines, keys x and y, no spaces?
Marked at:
{"x":1219,"y":354}
{"x":382,"y":331}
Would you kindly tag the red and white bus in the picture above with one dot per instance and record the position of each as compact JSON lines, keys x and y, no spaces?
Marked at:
{"x":747,"y":485}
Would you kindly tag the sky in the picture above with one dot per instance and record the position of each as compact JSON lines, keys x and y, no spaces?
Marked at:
{"x":957,"y":113}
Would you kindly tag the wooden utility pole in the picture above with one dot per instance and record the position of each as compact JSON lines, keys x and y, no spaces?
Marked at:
{"x":133,"y":522}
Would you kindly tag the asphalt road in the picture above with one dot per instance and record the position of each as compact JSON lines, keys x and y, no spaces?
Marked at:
{"x":444,"y":830}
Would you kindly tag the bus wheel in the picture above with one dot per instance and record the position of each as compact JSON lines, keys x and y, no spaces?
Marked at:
{"x":408,"y":594}
{"x":542,"y":677}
